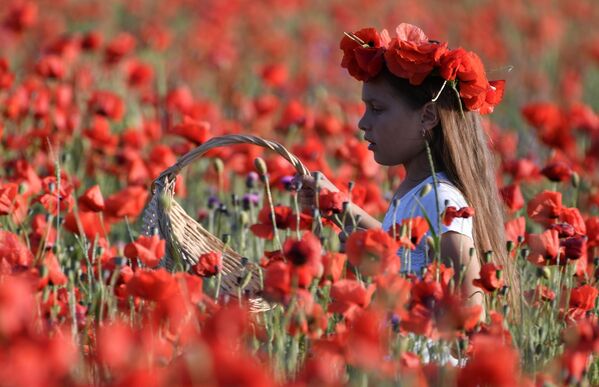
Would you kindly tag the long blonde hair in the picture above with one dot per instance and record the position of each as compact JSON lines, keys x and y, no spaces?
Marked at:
{"x":459,"y":146}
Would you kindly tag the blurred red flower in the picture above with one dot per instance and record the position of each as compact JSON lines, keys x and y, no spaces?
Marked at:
{"x":152,"y":285}
{"x":123,"y":44}
{"x":545,"y":208}
{"x":360,"y":61}
{"x":91,"y":199}
{"x":451,"y":213}
{"x":512,"y":197}
{"x":373,"y":252}
{"x":192,"y":130}
{"x":334,"y":266}
{"x":106,"y":103}
{"x":557,"y":171}
{"x":330,"y":203}
{"x":149,"y":249}
{"x":127,"y":202}
{"x":412,"y":55}
{"x":544,"y":248}
{"x":347,"y":296}
{"x":209,"y":264}
{"x":493,"y":362}
{"x":489,"y":280}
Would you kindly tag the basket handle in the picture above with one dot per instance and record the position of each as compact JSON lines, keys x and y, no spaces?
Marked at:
{"x":230,"y":139}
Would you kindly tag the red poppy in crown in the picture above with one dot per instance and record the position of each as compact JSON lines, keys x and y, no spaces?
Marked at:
{"x":413,"y":56}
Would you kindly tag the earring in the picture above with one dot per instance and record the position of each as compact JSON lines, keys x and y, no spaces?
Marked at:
{"x":424,"y":133}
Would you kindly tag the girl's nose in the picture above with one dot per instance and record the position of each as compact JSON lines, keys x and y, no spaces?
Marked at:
{"x":363,"y":123}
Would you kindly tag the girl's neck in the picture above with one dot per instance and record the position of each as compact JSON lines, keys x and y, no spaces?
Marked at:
{"x":417,"y":170}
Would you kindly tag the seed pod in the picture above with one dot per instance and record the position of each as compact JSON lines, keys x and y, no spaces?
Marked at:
{"x":425,"y":190}
{"x":575,"y":179}
{"x":260,"y":166}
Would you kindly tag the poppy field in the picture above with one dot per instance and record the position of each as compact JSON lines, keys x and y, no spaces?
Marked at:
{"x":97,"y":99}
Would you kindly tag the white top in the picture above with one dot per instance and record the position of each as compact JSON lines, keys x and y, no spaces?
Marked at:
{"x":415,"y":260}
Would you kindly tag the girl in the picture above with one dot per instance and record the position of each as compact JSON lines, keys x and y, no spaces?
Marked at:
{"x":423,"y":106}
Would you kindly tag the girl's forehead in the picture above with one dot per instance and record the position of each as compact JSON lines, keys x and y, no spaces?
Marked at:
{"x":376,"y":90}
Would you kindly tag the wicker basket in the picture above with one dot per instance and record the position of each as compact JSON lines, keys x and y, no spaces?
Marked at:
{"x":186,"y":239}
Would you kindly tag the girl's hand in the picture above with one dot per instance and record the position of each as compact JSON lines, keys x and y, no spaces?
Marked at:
{"x":307,"y":189}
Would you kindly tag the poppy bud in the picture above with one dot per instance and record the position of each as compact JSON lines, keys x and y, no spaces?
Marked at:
{"x":245,"y":281}
{"x":44,"y":271}
{"x":544,"y":272}
{"x":425,"y":190}
{"x":509,"y":246}
{"x":488,"y":256}
{"x":219,"y":167}
{"x":430,"y":242}
{"x":260,"y":166}
{"x":226,"y":238}
{"x":575,"y":180}
{"x":350,"y":185}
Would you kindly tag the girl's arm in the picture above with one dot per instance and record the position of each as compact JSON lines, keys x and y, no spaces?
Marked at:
{"x":455,"y":248}
{"x":306,"y":199}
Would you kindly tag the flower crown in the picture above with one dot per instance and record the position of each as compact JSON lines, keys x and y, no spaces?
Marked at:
{"x":411,"y":55}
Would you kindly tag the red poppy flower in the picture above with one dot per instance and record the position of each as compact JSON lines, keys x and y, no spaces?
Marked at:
{"x":55,"y":274}
{"x":512,"y":197}
{"x":417,"y":227}
{"x":116,"y":49}
{"x":583,"y":297}
{"x":91,"y":224}
{"x":209,"y":264}
{"x":274,"y":75}
{"x":139,"y":74}
{"x":411,"y":55}
{"x":277,"y":282}
{"x":557,"y":171}
{"x":12,"y":203}
{"x":515,"y":228}
{"x":489,"y":281}
{"x":305,"y":257}
{"x":91,"y":199}
{"x":592,"y":225}
{"x":56,"y":199}
{"x":574,"y":247}
{"x":521,"y":169}
{"x":152,"y":285}
{"x":492,"y":363}
{"x":334,"y":266}
{"x":363,"y":61}
{"x":284,"y":218}
{"x":149,"y":249}
{"x":21,"y":16}
{"x":493,"y":96}
{"x":6,"y":77}
{"x":451,"y":213}
{"x":192,"y":130}
{"x":545,"y":208}
{"x":373,"y":252}
{"x":13,"y":251}
{"x":128,"y":202}
{"x":107,"y":104}
{"x":349,"y":295}
{"x":330,"y":203}
{"x":544,"y":248}
{"x":572,"y":216}
{"x":51,"y":67}
{"x":91,"y":41}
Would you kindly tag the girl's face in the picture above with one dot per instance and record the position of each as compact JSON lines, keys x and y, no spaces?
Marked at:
{"x":390,"y":125}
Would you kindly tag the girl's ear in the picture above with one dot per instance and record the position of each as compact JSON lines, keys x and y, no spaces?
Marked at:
{"x":429,"y":116}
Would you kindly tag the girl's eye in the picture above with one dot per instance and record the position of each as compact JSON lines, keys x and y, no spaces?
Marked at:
{"x":376,"y":109}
